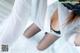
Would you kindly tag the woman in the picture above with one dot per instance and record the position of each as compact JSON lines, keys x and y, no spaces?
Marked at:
{"x":72,"y":20}
{"x":68,"y":15}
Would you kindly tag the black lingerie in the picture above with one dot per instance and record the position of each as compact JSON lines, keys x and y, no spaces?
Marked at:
{"x":75,"y":8}
{"x":58,"y":32}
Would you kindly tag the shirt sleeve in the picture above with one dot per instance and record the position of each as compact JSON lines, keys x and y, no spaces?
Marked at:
{"x":38,"y":12}
{"x":14,"y":26}
{"x":50,"y":10}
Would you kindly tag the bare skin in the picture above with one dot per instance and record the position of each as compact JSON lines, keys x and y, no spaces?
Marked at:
{"x":54,"y":20}
{"x":77,"y":40}
{"x":48,"y":39}
{"x":31,"y":30}
{"x":77,"y":37}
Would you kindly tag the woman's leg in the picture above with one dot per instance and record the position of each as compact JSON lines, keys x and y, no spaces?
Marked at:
{"x":31,"y":30}
{"x":38,"y":15}
{"x":47,"y":40}
{"x":50,"y":38}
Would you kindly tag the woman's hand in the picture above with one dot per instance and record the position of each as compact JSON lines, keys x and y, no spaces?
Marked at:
{"x":77,"y":40}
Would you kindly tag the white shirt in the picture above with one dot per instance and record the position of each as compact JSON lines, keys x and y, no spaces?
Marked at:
{"x":63,"y":44}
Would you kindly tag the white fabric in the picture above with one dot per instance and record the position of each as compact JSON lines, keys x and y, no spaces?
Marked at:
{"x":66,"y":32}
{"x":39,"y":8}
{"x":22,"y":11}
{"x":50,"y":10}
{"x":14,"y":27}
